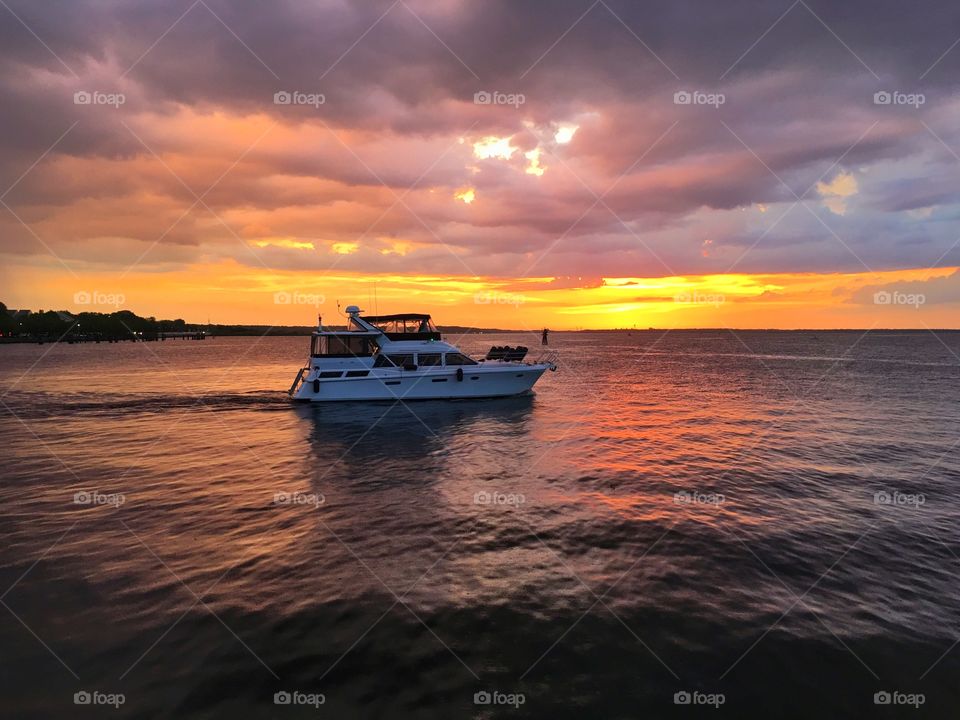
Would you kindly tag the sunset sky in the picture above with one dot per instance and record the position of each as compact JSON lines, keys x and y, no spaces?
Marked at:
{"x":499,"y":163}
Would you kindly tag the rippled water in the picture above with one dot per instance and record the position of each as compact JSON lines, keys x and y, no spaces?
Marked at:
{"x":768,"y":516}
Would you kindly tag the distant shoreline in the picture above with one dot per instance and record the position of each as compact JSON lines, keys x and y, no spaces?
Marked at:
{"x":304,"y":330}
{"x":214,"y":331}
{"x":19,"y":326}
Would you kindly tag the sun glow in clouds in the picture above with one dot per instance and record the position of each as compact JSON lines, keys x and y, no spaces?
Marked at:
{"x":494,"y":147}
{"x":345,"y":248}
{"x":565,"y":133}
{"x":284,"y":243}
{"x":467,"y":195}
{"x":534,"y":167}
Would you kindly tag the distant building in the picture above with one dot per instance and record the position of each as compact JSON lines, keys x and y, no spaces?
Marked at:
{"x":65,"y":316}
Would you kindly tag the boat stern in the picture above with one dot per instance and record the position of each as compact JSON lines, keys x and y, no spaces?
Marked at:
{"x":302,"y":385}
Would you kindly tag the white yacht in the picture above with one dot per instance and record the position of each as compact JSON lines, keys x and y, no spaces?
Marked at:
{"x":402,"y":357}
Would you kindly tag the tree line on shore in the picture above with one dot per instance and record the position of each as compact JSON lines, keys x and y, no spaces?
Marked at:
{"x":119,"y":325}
{"x":122,"y":324}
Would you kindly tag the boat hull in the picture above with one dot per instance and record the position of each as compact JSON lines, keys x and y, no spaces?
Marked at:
{"x":478,"y":382}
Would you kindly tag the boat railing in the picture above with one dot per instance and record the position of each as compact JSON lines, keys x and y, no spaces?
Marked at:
{"x":551,"y":358}
{"x":298,"y":381}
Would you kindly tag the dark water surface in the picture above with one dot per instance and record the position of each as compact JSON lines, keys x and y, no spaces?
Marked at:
{"x":768,"y":516}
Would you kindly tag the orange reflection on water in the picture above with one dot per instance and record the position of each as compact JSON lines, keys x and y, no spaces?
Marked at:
{"x":663,"y":507}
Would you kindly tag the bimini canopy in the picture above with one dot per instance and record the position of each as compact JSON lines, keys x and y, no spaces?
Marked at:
{"x":405,"y":326}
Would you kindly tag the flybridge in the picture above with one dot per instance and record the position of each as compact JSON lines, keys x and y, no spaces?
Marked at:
{"x":364,"y":335}
{"x":403,"y":326}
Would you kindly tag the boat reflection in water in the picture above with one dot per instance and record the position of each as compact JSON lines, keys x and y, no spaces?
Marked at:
{"x":401,"y":481}
{"x":397,"y":432}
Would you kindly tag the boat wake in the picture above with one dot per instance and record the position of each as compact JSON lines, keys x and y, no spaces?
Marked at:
{"x":42,"y":404}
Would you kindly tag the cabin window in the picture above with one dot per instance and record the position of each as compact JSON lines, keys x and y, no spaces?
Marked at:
{"x":357,"y":373}
{"x":428,"y":359}
{"x":402,"y":360}
{"x":345,"y":345}
{"x":459,"y":359}
{"x":341,"y":346}
{"x":382,"y":361}
{"x":331,"y":374}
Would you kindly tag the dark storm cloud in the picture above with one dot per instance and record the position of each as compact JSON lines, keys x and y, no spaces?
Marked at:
{"x":399,"y":79}
{"x":505,"y":43}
